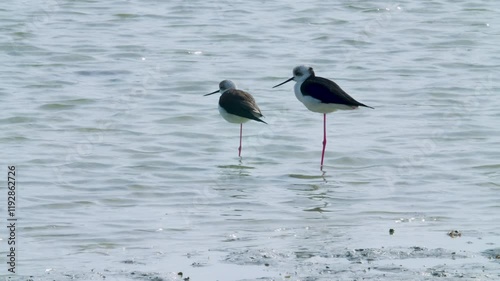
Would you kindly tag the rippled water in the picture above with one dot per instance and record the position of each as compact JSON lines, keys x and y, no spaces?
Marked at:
{"x":126,"y":172}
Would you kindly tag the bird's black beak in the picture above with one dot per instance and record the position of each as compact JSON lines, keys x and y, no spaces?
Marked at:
{"x":283,"y":82}
{"x":212,"y":93}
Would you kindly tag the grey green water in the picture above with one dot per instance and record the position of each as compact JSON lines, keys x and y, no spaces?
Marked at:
{"x":126,"y":172}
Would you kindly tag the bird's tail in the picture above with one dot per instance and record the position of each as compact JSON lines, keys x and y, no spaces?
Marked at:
{"x":366,"y":106}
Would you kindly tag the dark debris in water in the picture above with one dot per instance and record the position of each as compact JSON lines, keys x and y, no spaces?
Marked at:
{"x":198,"y":264}
{"x":455,"y":234}
{"x":151,"y":276}
{"x":131,"y":262}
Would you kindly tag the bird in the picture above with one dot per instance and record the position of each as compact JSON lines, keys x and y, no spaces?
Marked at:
{"x":237,"y":106}
{"x":320,"y":95}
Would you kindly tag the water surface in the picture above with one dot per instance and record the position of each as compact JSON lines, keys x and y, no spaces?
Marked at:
{"x":126,"y":172}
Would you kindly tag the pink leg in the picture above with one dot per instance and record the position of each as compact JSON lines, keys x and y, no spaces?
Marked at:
{"x":324,"y":139}
{"x":241,"y":131}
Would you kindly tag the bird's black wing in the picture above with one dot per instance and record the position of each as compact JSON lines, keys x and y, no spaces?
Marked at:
{"x":240,"y":103}
{"x":327,"y":91}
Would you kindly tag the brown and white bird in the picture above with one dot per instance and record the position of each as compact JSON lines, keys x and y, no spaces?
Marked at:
{"x":320,"y":95}
{"x":237,"y":106}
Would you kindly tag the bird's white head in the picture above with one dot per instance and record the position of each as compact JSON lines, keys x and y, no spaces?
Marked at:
{"x":302,"y":72}
{"x":225,"y":85}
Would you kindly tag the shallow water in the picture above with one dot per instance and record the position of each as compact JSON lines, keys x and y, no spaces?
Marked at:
{"x":126,"y":172}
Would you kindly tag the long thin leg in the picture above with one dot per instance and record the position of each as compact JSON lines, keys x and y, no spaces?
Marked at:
{"x":241,"y":131}
{"x":324,"y":139}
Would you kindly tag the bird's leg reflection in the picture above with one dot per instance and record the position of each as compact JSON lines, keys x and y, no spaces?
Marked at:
{"x":239,"y":148}
{"x":323,"y":175}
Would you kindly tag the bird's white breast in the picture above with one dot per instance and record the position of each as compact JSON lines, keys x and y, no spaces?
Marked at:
{"x":316,"y":105}
{"x":231,"y":118}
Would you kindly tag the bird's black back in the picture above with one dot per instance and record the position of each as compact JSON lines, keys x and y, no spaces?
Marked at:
{"x":240,"y":103}
{"x":327,"y":91}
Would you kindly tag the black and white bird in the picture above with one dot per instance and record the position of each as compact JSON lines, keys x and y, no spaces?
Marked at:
{"x":320,"y":95}
{"x":237,"y":106}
